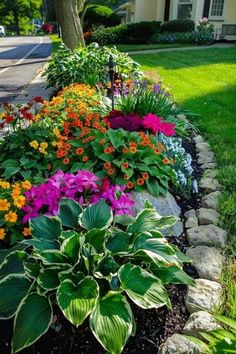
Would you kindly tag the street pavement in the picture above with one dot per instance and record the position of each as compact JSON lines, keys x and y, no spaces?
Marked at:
{"x":20,"y":60}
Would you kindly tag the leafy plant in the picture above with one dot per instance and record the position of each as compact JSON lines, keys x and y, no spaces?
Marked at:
{"x":90,"y":266}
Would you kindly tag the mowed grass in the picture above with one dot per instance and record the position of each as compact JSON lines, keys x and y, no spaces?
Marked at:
{"x":204,"y":81}
{"x":136,"y":47}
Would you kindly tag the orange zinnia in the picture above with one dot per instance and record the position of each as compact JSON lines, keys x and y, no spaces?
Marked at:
{"x":79,"y":151}
{"x":85,"y":158}
{"x":125,"y":164}
{"x":165,"y":161}
{"x":140,"y":181}
{"x":130,"y":185}
{"x":66,"y":161}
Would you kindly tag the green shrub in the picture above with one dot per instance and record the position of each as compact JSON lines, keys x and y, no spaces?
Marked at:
{"x":91,"y":266}
{"x":87,"y":65}
{"x":97,"y":15}
{"x":111,"y":35}
{"x":178,"y":26}
{"x":194,"y":37}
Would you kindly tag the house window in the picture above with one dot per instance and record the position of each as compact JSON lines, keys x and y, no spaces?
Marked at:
{"x":185,"y":8}
{"x":217,"y":7}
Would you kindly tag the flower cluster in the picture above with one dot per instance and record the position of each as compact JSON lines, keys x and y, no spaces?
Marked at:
{"x":83,"y":187}
{"x":12,"y":202}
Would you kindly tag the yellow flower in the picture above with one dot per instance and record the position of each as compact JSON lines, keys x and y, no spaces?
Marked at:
{"x":11,"y":217}
{"x":34,"y":144}
{"x":4,"y":185}
{"x":19,"y":202}
{"x":54,"y":143}
{"x":2,"y":234}
{"x":42,"y":150}
{"x":26,"y":185}
{"x":16,"y":190}
{"x":56,"y":132}
{"x":37,"y":117}
{"x":4,"y":205}
{"x":44,"y":145}
{"x":26,"y":232}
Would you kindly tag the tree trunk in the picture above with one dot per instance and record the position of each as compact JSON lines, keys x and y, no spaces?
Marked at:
{"x":69,"y":21}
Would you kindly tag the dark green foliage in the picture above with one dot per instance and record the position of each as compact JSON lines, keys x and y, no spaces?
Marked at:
{"x":97,"y":15}
{"x":178,"y":26}
{"x":184,"y":38}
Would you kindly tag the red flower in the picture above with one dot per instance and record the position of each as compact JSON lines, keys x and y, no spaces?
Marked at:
{"x":8,"y":119}
{"x":38,"y":99}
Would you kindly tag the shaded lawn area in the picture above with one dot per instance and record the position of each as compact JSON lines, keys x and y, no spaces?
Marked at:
{"x":134,"y":47}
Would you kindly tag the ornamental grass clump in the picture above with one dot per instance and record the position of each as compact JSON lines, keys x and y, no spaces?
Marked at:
{"x":91,"y":266}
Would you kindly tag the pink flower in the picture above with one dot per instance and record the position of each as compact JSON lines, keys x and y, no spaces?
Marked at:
{"x":86,"y":180}
{"x":167,"y":128}
{"x":152,"y":122}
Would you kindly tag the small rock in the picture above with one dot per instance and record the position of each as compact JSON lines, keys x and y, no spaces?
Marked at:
{"x":182,"y":117}
{"x":205,"y":157}
{"x":205,"y":295}
{"x":179,"y":344}
{"x":200,"y":321}
{"x":198,"y":139}
{"x":211,"y":200}
{"x":208,"y":261}
{"x":188,"y":214}
{"x":207,"y":216}
{"x":164,"y":206}
{"x":207,"y":235}
{"x":206,"y":166}
{"x":211,"y":173}
{"x":191,"y":222}
{"x":202,"y":147}
{"x":209,"y":184}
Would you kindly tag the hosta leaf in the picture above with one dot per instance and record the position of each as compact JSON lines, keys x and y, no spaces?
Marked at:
{"x":18,"y":247}
{"x":69,"y":212}
{"x":43,"y":245}
{"x":53,"y":257}
{"x":143,"y":288}
{"x":119,"y":243}
{"x":46,"y":228}
{"x":96,"y":238}
{"x":173,"y":275}
{"x":13,"y":263}
{"x":32,"y":320}
{"x":112,"y":322}
{"x":124,"y":219}
{"x":96,"y":216}
{"x":71,"y":247}
{"x":77,"y":302}
{"x":107,"y":266}
{"x":157,"y":249}
{"x":13,"y":289}
{"x":31,"y":268}
{"x":69,"y":275}
{"x":48,"y":278}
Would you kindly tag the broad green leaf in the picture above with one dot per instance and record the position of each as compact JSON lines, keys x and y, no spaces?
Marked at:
{"x":53,"y":257}
{"x":46,"y":228}
{"x":10,"y":163}
{"x":96,"y":216}
{"x":13,"y":289}
{"x":18,"y":247}
{"x":32,"y":320}
{"x":69,"y":275}
{"x":119,"y":243}
{"x":172,"y":275}
{"x":157,"y":249}
{"x":112,"y":322}
{"x":123,"y":219}
{"x":31,"y":268}
{"x":13,"y":263}
{"x":69,"y":212}
{"x":96,"y":238}
{"x":77,"y":302}
{"x":10,"y":171}
{"x":153,"y":186}
{"x":48,"y":278}
{"x":143,"y":288}
{"x":43,"y":245}
{"x":116,"y":137}
{"x":71,"y":247}
{"x":107,"y":266}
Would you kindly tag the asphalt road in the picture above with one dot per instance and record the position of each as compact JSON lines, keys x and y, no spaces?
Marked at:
{"x":20,"y":60}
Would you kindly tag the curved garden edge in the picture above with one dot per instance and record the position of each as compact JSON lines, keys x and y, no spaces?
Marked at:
{"x":206,"y":241}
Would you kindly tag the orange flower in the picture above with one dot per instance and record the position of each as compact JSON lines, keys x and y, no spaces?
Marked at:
{"x":132,"y":143}
{"x":11,"y":216}
{"x":140,"y":181}
{"x":2,"y":234}
{"x":102,"y":141}
{"x":26,"y":232}
{"x":165,"y":161}
{"x":4,"y":205}
{"x":79,"y":151}
{"x":111,"y":171}
{"x":125,"y":164}
{"x":133,"y":149}
{"x":85,"y":158}
{"x":126,"y":177}
{"x":107,"y":165}
{"x":125,"y":150}
{"x":145,"y":176}
{"x":66,"y":161}
{"x":130,"y":185}
{"x":61,"y":153}
{"x":107,"y":150}
{"x":157,"y":151}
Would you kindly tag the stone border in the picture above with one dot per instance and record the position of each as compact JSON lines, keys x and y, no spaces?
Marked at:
{"x":206,"y":243}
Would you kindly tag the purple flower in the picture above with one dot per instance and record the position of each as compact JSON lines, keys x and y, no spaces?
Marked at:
{"x":86,"y":180}
{"x":156,"y":88}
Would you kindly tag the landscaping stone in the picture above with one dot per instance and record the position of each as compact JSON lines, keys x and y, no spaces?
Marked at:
{"x":208,"y":261}
{"x":207,"y":216}
{"x":164,"y":206}
{"x":200,"y":321}
{"x":190,"y":213}
{"x":205,"y":295}
{"x":179,"y":344}
{"x":211,"y":173}
{"x":198,"y":139}
{"x":211,"y":200}
{"x":208,"y":165}
{"x":182,"y":117}
{"x":191,"y":222}
{"x":205,"y":157}
{"x":209,"y":184}
{"x":207,"y":235}
{"x":203,"y":147}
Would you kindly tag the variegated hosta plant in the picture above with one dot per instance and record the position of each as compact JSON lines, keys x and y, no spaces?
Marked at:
{"x":90,"y":265}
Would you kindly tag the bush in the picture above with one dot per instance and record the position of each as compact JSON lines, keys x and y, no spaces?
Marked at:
{"x":111,"y":35}
{"x":97,"y":15}
{"x":178,"y":26}
{"x":194,"y":37}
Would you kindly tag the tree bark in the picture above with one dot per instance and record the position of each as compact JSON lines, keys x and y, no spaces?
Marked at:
{"x":69,"y":21}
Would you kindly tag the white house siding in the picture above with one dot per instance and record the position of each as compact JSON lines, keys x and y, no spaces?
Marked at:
{"x":145,"y":10}
{"x":161,"y":10}
{"x":199,"y":11}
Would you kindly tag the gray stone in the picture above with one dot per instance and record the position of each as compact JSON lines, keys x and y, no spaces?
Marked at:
{"x":209,"y":184}
{"x":205,"y":157}
{"x":164,"y":206}
{"x":179,"y":344}
{"x":208,"y":165}
{"x":207,"y":235}
{"x":211,"y":200}
{"x":205,"y":295}
{"x":210,"y":173}
{"x":188,"y":214}
{"x":202,"y":147}
{"x":198,"y":139}
{"x":200,"y":321}
{"x":182,"y":117}
{"x":207,"y":216}
{"x":191,"y":222}
{"x":208,"y":261}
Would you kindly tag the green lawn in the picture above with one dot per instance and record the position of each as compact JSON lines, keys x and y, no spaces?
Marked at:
{"x":134,"y":47}
{"x":56,"y":41}
{"x":204,"y":81}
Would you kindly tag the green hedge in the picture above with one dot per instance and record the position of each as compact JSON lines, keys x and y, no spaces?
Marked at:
{"x":194,"y":37}
{"x":176,"y":26}
{"x":97,"y":15}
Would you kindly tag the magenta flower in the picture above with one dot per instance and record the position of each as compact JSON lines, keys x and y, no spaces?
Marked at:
{"x":86,"y":180}
{"x":152,"y":122}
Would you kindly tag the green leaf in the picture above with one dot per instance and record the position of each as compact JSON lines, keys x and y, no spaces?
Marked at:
{"x":143,"y":288}
{"x":31,"y":268}
{"x":123,"y":219}
{"x":153,"y":186}
{"x":46,"y":228}
{"x":96,"y":238}
{"x":116,"y":137}
{"x":112,"y":322}
{"x":32,"y":320}
{"x":119,"y":243}
{"x":18,"y":247}
{"x":107,"y":266}
{"x":43,"y":245}
{"x":10,"y":171}
{"x":69,"y":212}
{"x":13,"y":263}
{"x":172,"y":275}
{"x":13,"y":289}
{"x":48,"y":278}
{"x":53,"y":256}
{"x":69,"y":275}
{"x":96,"y":216}
{"x":77,"y":302}
{"x":10,"y":163}
{"x":71,"y":247}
